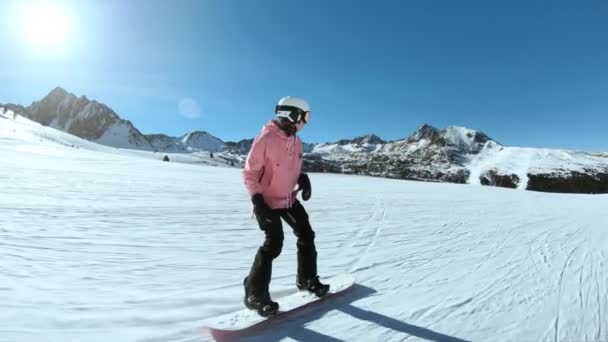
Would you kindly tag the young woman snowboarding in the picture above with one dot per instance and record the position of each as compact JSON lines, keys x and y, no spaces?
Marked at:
{"x":272,"y":171}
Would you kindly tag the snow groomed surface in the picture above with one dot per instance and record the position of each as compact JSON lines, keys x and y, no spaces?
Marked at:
{"x":100,"y":246}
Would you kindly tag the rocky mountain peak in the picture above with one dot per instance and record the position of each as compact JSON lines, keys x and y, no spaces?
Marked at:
{"x":425,"y":132}
{"x":87,"y":119}
{"x":203,"y":141}
{"x":370,"y":139}
{"x":59,"y":92}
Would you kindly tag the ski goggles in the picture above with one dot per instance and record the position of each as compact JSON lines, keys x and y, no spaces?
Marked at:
{"x":293,"y":114}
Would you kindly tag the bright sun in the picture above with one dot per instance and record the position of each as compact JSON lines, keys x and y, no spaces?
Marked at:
{"x":46,"y":25}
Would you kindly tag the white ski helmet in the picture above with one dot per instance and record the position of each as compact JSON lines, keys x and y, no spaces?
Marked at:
{"x":293,"y":108}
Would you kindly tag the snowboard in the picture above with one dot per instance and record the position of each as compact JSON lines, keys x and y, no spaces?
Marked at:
{"x":243,"y":322}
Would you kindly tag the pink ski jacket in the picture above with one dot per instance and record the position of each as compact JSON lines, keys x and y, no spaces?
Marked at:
{"x":273,"y":167}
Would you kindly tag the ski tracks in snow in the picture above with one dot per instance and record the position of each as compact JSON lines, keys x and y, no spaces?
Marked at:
{"x":368,"y":235}
{"x":134,"y":250}
{"x":561,"y":288}
{"x":581,"y":288}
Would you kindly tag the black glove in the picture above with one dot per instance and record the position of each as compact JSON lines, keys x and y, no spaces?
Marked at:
{"x":260,"y":208}
{"x":304,"y":185}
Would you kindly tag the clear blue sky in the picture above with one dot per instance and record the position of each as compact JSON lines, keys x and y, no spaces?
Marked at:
{"x":528,"y":73}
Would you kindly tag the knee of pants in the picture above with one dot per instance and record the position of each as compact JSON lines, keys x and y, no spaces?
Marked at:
{"x":306,"y":237}
{"x":273,"y":246}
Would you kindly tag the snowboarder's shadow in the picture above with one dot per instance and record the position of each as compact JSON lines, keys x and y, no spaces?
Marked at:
{"x":295,"y":327}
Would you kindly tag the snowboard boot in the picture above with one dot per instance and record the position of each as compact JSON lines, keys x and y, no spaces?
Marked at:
{"x":260,"y":303}
{"x":313,"y":285}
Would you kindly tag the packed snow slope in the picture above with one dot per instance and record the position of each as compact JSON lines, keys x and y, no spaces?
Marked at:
{"x":97,"y":245}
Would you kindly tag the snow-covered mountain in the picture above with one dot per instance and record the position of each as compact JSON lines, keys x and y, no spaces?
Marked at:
{"x":428,"y":154}
{"x":454,"y":154}
{"x":191,"y":142}
{"x":202,"y":141}
{"x":96,"y":122}
{"x":241,"y":147}
{"x":165,"y":143}
{"x":346,"y":147}
{"x":87,"y":119}
{"x":462,"y":155}
{"x":35,"y":137}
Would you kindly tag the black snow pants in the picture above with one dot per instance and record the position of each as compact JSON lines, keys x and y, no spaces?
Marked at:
{"x":261,"y":270}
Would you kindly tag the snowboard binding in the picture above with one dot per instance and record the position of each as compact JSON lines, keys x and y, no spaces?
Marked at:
{"x":262,"y":304}
{"x":313,"y":285}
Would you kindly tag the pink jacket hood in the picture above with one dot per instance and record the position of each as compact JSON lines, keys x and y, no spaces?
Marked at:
{"x":273,"y":166}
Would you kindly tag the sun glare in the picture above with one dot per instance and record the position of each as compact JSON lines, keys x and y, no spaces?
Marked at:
{"x":46,"y":25}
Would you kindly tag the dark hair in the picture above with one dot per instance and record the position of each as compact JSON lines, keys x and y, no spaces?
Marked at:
{"x":286,"y":125}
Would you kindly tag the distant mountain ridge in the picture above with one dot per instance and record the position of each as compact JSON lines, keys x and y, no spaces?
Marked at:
{"x":454,"y":154}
